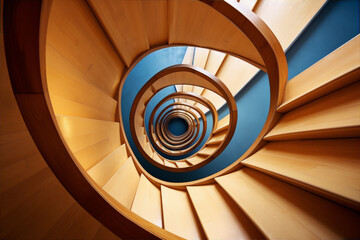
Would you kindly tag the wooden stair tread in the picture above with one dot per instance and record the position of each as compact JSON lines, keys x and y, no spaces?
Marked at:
{"x":148,"y":149}
{"x":336,"y":115}
{"x":220,"y":129}
{"x":320,"y":79}
{"x":178,"y":214}
{"x":208,"y":150}
{"x":218,"y":138}
{"x":282,"y":211}
{"x":90,"y":140}
{"x":147,"y":202}
{"x":105,"y":169}
{"x":157,"y":158}
{"x":219,"y":216}
{"x":196,"y":159}
{"x":116,"y":187}
{"x":214,"y":61}
{"x":170,"y":164}
{"x":327,"y":167}
{"x":183,"y":164}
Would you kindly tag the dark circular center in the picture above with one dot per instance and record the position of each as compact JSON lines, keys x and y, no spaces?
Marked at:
{"x":177,"y":126}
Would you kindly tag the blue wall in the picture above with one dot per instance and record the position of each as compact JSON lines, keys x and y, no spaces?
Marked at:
{"x":336,"y":23}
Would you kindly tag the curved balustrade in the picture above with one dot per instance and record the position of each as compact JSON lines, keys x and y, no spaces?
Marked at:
{"x":115,"y":187}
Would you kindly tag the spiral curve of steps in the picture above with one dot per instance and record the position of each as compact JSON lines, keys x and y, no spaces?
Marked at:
{"x":299,"y":179}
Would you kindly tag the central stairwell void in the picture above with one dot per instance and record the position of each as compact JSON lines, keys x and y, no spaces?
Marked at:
{"x":191,"y":119}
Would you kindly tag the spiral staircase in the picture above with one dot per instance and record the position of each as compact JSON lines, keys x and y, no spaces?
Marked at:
{"x":66,"y":118}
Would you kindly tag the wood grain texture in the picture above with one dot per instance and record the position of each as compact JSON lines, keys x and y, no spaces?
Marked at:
{"x":88,"y":52}
{"x":119,"y":17}
{"x":90,"y":140}
{"x":288,"y":212}
{"x":184,"y":14}
{"x":124,"y":193}
{"x":105,"y":169}
{"x":219,"y":216}
{"x":320,"y":79}
{"x":147,"y":202}
{"x":178,"y":214}
{"x":287,"y":18}
{"x":326,"y":167}
{"x":336,"y":115}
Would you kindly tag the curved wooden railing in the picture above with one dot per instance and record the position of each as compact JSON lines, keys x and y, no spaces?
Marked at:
{"x":25,"y":32}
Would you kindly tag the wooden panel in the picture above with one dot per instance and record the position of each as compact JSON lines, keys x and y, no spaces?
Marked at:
{"x":123,"y":184}
{"x":249,"y":4}
{"x":219,"y":216}
{"x":89,"y":140}
{"x":124,"y":23}
{"x":147,"y":202}
{"x":218,"y":138}
{"x":83,"y":44}
{"x":208,"y":150}
{"x":214,"y":98}
{"x":214,"y":61}
{"x":328,"y":167}
{"x":157,"y":158}
{"x":188,"y":59}
{"x":148,"y":149}
{"x":195,"y":23}
{"x":235,"y":73}
{"x":223,"y":122}
{"x":155,"y":18}
{"x":29,"y":191}
{"x":170,"y":164}
{"x":287,"y":18}
{"x":182,"y":164}
{"x":333,"y":116}
{"x":320,"y":79}
{"x":106,"y":168}
{"x":283,"y":211}
{"x":178,"y":214}
{"x":70,"y":88}
{"x":200,"y":57}
{"x":196,"y":159}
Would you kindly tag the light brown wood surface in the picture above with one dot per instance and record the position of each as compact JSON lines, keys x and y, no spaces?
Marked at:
{"x":220,"y":217}
{"x":105,"y":169}
{"x":282,"y":211}
{"x":147,"y":202}
{"x":124,"y":193}
{"x":327,"y":167}
{"x":335,"y":115}
{"x":90,"y":140}
{"x":178,"y":214}
{"x":320,"y":79}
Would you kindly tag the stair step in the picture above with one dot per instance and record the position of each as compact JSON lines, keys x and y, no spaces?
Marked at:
{"x":157,"y":158}
{"x":218,"y":138}
{"x":283,"y":211}
{"x":143,"y":140}
{"x":148,"y":149}
{"x":336,"y":115}
{"x":140,"y":131}
{"x":90,"y":140}
{"x":220,"y":129}
{"x":214,"y":61}
{"x":208,"y":150}
{"x":219,"y":216}
{"x":179,"y":215}
{"x":147,"y":202}
{"x":320,"y":79}
{"x":170,"y":164}
{"x":123,"y":184}
{"x":105,"y":169}
{"x":326,"y":167}
{"x":196,"y":159}
{"x":183,"y":164}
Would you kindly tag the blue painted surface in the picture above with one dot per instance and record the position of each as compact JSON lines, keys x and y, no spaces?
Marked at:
{"x":336,"y":24}
{"x":177,"y":126}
